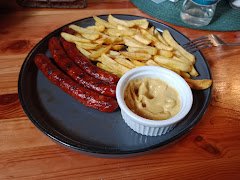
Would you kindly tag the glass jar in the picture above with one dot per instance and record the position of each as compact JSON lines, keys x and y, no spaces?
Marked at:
{"x":198,"y":12}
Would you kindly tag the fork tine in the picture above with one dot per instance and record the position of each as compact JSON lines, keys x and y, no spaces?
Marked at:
{"x":196,"y":44}
{"x":194,"y":49}
{"x":196,"y":40}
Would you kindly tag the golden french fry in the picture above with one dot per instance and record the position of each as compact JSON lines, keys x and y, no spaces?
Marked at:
{"x":182,"y":58}
{"x":131,"y":31}
{"x":155,"y":41}
{"x":162,"y":46}
{"x":116,"y":21}
{"x":137,"y":63}
{"x":114,"y":53}
{"x":84,"y":52}
{"x":105,"y":40}
{"x":136,"y":56}
{"x":166,"y":53}
{"x":151,"y":30}
{"x":100,"y":51}
{"x":123,"y":61}
{"x":142,"y":23}
{"x":150,"y":62}
{"x":99,"y":28}
{"x":148,"y":49}
{"x":108,"y":69}
{"x":117,"y":47}
{"x":100,"y":21}
{"x":87,"y":46}
{"x":170,"y":40}
{"x":185,"y":74}
{"x":82,"y":30}
{"x":132,"y":42}
{"x":139,"y":37}
{"x":90,"y":36}
{"x":193,"y":72}
{"x":159,"y":36}
{"x":120,"y":69}
{"x":117,"y":32}
{"x":172,"y":63}
{"x":73,"y":38}
{"x":199,"y":84}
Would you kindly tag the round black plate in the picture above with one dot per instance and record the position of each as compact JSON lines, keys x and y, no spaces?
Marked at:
{"x":68,"y":122}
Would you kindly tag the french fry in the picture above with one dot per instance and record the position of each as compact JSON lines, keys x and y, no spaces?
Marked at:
{"x":116,"y":21}
{"x":132,"y":42}
{"x":137,"y":63}
{"x":159,"y":36}
{"x":114,"y":53}
{"x":142,"y":23}
{"x":73,"y":38}
{"x":90,"y":36}
{"x":199,"y":84}
{"x":170,"y":40}
{"x":117,"y":47}
{"x":136,"y":56}
{"x":155,"y":41}
{"x":108,"y":69}
{"x":184,"y":74}
{"x":131,"y":31}
{"x":151,"y":30}
{"x":100,"y":21}
{"x":148,"y":49}
{"x":182,"y":58}
{"x":174,"y":64}
{"x":139,"y":37}
{"x":193,"y":72}
{"x":118,"y":68}
{"x":117,"y":32}
{"x":165,"y":53}
{"x":82,"y":30}
{"x":150,"y":62}
{"x":87,"y":46}
{"x":84,"y":52}
{"x":123,"y":61}
{"x":99,"y":28}
{"x":99,"y":52}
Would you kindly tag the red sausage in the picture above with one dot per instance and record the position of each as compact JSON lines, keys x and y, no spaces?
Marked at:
{"x":85,"y":96}
{"x":84,"y":63}
{"x":67,"y":65}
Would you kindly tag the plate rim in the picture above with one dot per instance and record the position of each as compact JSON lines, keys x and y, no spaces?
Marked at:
{"x":184,"y":131}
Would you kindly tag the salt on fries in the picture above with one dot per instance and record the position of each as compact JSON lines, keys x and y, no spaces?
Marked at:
{"x":119,"y":45}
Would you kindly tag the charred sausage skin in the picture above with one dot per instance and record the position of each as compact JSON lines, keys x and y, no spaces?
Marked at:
{"x":85,"y":96}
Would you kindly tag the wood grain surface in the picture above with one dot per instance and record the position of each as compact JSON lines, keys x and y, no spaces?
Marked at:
{"x":210,"y":151}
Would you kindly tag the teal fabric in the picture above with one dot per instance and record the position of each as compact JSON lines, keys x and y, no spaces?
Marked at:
{"x":225,"y":17}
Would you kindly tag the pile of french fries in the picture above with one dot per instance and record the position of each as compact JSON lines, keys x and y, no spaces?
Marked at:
{"x":120,"y":45}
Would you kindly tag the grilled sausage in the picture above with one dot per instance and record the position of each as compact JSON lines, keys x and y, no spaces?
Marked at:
{"x":84,"y":63}
{"x":85,"y":96}
{"x":76,"y":73}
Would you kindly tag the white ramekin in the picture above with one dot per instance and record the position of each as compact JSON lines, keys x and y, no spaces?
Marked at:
{"x":154,"y":127}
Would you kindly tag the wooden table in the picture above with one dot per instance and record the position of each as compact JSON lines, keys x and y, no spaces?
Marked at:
{"x":210,"y":151}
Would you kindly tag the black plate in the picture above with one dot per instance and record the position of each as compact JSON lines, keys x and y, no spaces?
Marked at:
{"x":70,"y":123}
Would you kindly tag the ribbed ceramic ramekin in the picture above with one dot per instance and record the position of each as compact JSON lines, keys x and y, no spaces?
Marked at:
{"x":154,"y":127}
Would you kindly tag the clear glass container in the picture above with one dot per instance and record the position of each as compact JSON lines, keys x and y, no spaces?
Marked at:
{"x":198,"y":12}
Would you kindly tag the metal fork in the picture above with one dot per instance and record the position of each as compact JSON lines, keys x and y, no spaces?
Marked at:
{"x":208,"y":41}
